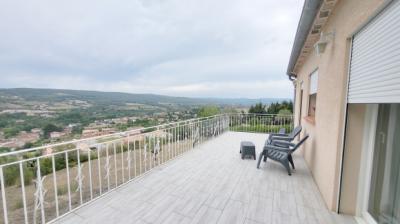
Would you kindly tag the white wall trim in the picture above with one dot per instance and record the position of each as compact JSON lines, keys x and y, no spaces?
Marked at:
{"x":344,"y":126}
{"x":364,"y":179}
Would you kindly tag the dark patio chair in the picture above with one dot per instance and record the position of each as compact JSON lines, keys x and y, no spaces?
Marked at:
{"x":281,"y":151}
{"x":286,"y":137}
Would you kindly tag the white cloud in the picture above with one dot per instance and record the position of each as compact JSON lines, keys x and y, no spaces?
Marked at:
{"x":234,"y":48}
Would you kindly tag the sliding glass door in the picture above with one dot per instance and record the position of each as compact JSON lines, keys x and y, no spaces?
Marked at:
{"x":384,"y":190}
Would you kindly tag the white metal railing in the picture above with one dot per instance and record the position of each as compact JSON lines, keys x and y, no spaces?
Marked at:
{"x":43,"y":183}
{"x":262,"y":123}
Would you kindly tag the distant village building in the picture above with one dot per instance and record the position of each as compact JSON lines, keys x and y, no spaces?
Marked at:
{"x":73,"y":125}
{"x":57,"y":134}
{"x":87,"y":133}
{"x":20,"y":140}
{"x":36,"y":130}
{"x":13,"y":143}
{"x":134,"y":130}
{"x":106,"y":131}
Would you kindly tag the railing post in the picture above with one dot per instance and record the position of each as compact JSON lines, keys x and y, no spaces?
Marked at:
{"x":3,"y":195}
{"x":107,"y":168}
{"x":90,"y":173}
{"x":169,"y":143}
{"x":129,"y":157}
{"x":134,"y":157}
{"x":140,"y":155}
{"x":79,"y":178}
{"x":115,"y":164}
{"x":122,"y":161}
{"x":145,"y":153}
{"x":68,"y":182}
{"x":39,"y":191}
{"x":99,"y":169}
{"x":24,"y":194}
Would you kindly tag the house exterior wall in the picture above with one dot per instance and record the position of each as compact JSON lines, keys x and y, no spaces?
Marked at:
{"x":323,"y":151}
{"x":351,"y":159}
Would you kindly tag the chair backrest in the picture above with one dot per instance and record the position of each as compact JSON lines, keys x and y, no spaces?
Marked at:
{"x":295,"y":132}
{"x":300,"y":143}
{"x":282,"y":131}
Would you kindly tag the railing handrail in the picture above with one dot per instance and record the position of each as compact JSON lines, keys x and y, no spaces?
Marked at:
{"x":118,"y":134}
{"x":262,"y":114}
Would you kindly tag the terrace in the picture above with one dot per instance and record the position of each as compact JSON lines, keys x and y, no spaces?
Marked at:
{"x":185,"y":172}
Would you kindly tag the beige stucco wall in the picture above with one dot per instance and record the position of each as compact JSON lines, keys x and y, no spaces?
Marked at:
{"x":322,"y":151}
{"x":351,"y":158}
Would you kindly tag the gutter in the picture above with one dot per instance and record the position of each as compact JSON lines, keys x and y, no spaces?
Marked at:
{"x":310,"y":10}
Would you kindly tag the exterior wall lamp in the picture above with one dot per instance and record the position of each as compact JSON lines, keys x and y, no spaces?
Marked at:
{"x":325,"y":38}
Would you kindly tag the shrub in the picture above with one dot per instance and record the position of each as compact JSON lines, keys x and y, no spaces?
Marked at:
{"x":208,"y":111}
{"x":18,"y":204}
{"x":12,"y":172}
{"x":61,"y":190}
{"x":46,"y":166}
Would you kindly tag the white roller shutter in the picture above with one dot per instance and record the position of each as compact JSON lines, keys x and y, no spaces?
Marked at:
{"x":314,"y":82}
{"x":375,"y":59}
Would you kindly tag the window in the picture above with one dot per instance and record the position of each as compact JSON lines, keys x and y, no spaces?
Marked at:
{"x":312,"y":98}
{"x":384,"y":195}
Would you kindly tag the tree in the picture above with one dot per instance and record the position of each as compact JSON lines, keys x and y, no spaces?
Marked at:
{"x":274,"y":108}
{"x":259,"y":108}
{"x":130,"y":123}
{"x":4,"y":149}
{"x":285,"y":112}
{"x":3,"y":123}
{"x":11,"y":173}
{"x":10,"y":132}
{"x":28,"y":145}
{"x":70,"y":117}
{"x":229,"y":110}
{"x":50,"y":128}
{"x":77,"y":130}
{"x":208,"y":111}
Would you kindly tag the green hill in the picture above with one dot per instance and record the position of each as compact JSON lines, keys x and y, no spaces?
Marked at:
{"x":117,"y":98}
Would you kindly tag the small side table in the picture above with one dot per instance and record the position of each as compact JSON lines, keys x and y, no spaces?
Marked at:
{"x":247,"y":149}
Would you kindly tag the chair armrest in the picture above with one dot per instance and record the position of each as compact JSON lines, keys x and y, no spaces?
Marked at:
{"x":278,"y":148}
{"x":284,"y":138}
{"x":282,"y":143}
{"x":278,"y":134}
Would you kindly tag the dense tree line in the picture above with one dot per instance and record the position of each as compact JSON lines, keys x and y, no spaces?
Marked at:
{"x":208,"y":111}
{"x":284,"y":108}
{"x":12,"y":124}
{"x":259,"y":108}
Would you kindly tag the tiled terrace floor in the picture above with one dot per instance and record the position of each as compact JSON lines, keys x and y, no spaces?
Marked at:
{"x":211,"y":184}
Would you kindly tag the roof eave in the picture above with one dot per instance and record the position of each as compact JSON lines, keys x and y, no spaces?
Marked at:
{"x":310,"y":10}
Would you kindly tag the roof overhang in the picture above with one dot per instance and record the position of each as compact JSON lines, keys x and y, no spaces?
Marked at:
{"x":313,"y":18}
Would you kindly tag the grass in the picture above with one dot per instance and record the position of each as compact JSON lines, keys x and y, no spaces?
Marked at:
{"x":261,"y":128}
{"x":18,"y":204}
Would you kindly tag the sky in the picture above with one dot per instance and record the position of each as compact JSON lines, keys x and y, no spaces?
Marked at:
{"x":192,"y":48}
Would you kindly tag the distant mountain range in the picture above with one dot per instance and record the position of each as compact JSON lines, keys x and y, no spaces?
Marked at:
{"x":118,"y":98}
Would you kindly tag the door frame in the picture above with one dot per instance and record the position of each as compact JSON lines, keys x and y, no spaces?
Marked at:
{"x":301,"y":105}
{"x":366,"y":168}
{"x":367,"y":155}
